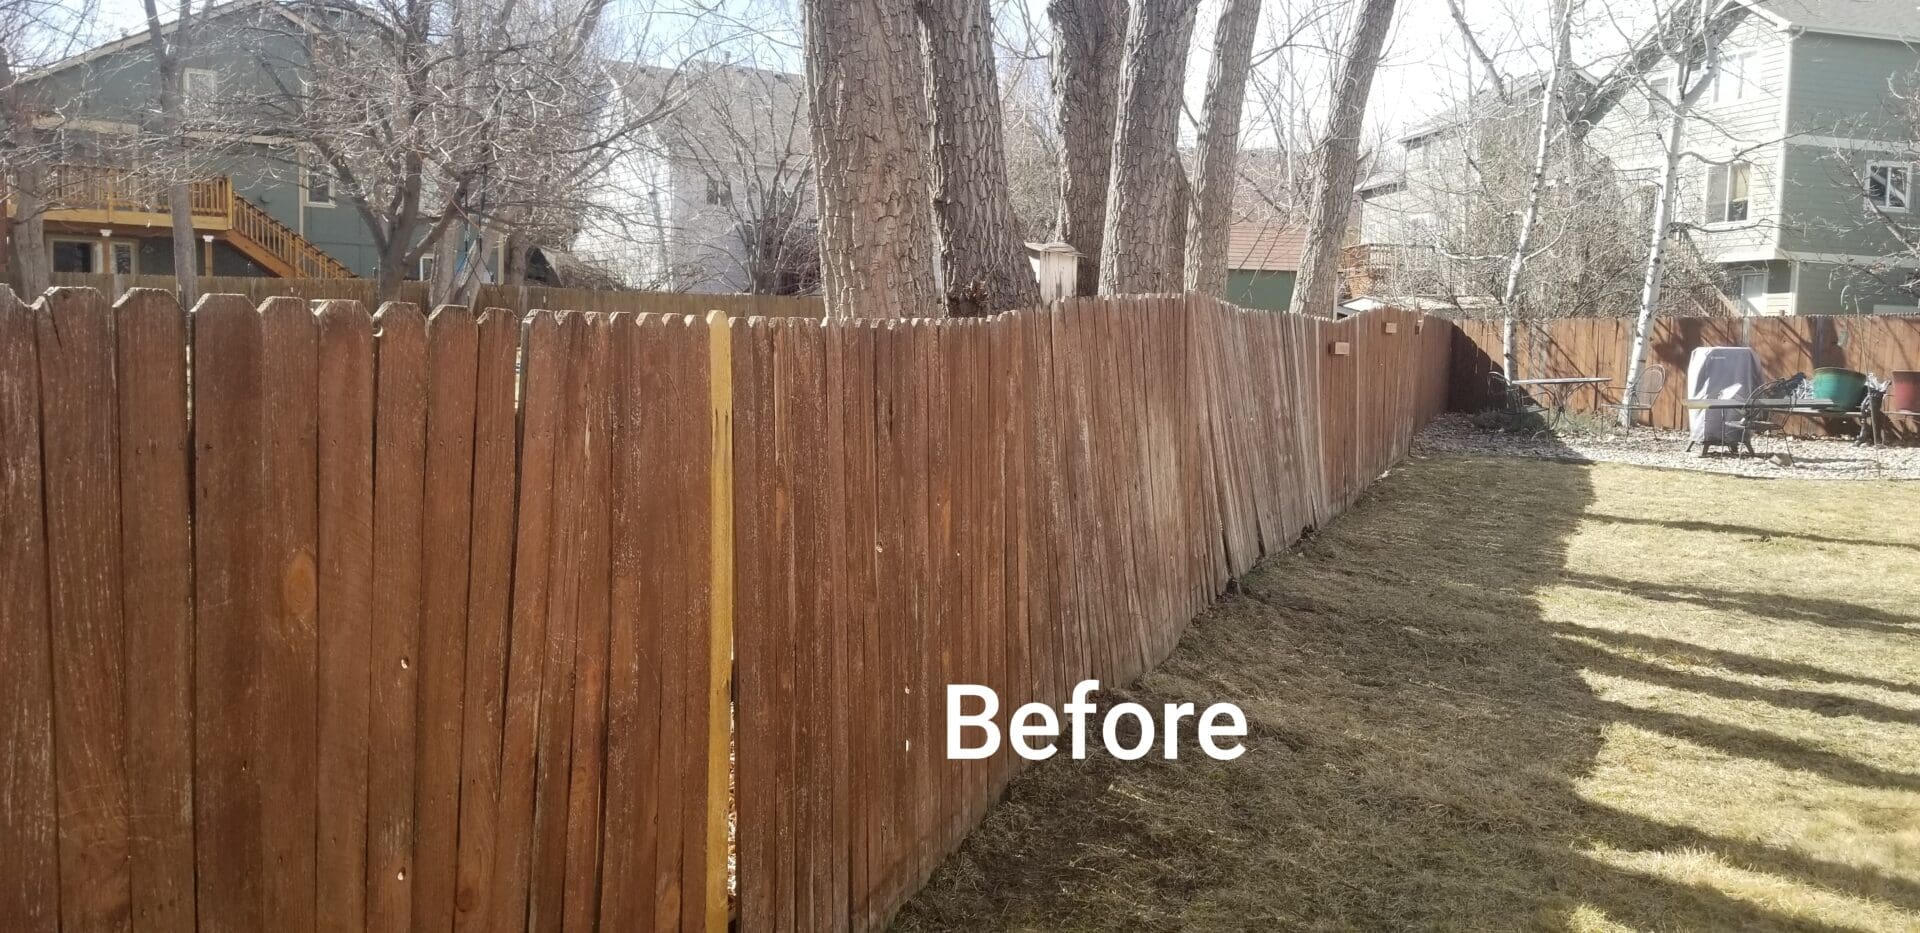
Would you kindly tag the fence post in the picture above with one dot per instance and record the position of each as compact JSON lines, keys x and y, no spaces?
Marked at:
{"x":720,"y":601}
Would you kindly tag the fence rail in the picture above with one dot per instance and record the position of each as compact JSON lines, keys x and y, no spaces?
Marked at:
{"x":321,"y":619}
{"x":1600,"y":347}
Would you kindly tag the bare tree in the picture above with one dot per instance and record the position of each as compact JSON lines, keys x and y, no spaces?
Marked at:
{"x":170,"y":48}
{"x":866,"y":85}
{"x":1547,"y":127}
{"x":1146,"y":203}
{"x":1337,"y":161}
{"x":1089,"y":39}
{"x":1691,"y":37}
{"x":32,"y":33}
{"x":1218,"y":157}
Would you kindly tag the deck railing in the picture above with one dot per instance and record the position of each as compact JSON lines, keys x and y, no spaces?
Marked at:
{"x":72,"y":187}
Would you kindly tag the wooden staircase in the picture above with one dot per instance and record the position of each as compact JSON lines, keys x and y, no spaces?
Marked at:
{"x":278,"y":247}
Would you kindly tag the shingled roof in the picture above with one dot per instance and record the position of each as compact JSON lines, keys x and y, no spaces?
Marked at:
{"x":1257,"y":247}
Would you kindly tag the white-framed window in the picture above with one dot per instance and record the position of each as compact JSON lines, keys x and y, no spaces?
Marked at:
{"x":316,"y":183}
{"x":1659,"y":94}
{"x":1727,"y":187}
{"x":1890,"y":186}
{"x":719,"y":191}
{"x":1733,"y":82}
{"x":426,"y":268}
{"x":1752,"y":290}
{"x":199,"y":87}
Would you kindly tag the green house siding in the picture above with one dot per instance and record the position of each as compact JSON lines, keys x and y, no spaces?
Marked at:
{"x":1841,"y":86}
{"x":1267,"y":291}
{"x":1830,"y":288}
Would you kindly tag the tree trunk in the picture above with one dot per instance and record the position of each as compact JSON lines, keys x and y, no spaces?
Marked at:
{"x":1550,"y":110}
{"x":984,"y":262}
{"x":169,"y":52}
{"x":1089,"y":37}
{"x":1138,"y":254}
{"x":1338,"y":162}
{"x":866,"y":82}
{"x":1217,"y":159}
{"x":26,"y":188}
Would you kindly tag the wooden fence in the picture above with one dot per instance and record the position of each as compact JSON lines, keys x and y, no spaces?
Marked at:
{"x":1600,"y":347}
{"x":1022,"y":503}
{"x":317,"y":620}
{"x":521,"y":298}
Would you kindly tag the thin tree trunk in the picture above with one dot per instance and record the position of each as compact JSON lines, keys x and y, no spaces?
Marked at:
{"x":1537,"y":185}
{"x":866,"y":81}
{"x":983,"y":259}
{"x":1138,"y":254}
{"x":170,"y":51}
{"x":26,"y":189}
{"x":1338,"y":162}
{"x":1089,"y":39}
{"x":1218,"y":157}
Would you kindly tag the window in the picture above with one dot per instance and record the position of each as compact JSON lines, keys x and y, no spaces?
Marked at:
{"x":1732,"y":84}
{"x":1659,"y":94}
{"x":719,"y":191}
{"x":1727,"y":192}
{"x":122,"y":258}
{"x":317,"y":184}
{"x":75,"y":256}
{"x":1753,"y":292}
{"x":426,"y":269}
{"x":1890,"y":185}
{"x":199,"y":87}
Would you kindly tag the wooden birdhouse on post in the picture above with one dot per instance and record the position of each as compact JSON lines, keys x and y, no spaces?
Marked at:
{"x":1056,"y":266}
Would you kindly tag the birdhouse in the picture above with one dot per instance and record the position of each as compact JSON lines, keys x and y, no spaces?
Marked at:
{"x":1056,"y":266}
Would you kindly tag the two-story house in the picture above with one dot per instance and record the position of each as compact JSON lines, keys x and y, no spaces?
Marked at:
{"x":1797,"y":183}
{"x":717,"y":195}
{"x":261,"y":204}
{"x":1799,"y":159}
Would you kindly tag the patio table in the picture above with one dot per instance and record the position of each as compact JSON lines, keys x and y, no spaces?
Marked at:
{"x":1559,"y":390}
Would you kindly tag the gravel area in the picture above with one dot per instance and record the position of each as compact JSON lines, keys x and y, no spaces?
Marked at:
{"x":1795,"y":458}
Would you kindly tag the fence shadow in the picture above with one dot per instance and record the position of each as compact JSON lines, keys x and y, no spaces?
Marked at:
{"x":1423,"y":738}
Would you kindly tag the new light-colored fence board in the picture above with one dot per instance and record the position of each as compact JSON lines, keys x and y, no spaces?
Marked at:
{"x":1599,"y":347}
{"x":322,"y":620}
{"x":1020,"y":502}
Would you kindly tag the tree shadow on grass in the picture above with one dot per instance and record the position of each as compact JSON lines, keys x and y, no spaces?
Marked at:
{"x":1419,"y":735}
{"x":1745,"y":531}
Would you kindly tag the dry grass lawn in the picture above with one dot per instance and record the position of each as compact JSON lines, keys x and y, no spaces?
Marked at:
{"x":1504,"y":694}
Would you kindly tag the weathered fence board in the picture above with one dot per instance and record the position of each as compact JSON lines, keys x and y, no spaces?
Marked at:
{"x":348,"y":621}
{"x":1600,"y":347}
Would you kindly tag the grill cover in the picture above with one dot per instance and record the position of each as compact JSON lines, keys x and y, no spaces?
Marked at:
{"x":1719,"y":372}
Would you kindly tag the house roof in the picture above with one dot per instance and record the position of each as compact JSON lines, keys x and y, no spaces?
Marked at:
{"x":1257,"y":247}
{"x":1876,"y":19}
{"x":136,"y":37}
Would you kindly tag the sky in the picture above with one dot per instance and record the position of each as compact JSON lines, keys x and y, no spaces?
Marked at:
{"x":1426,"y":69}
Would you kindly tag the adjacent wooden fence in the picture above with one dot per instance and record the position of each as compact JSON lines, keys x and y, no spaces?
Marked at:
{"x":521,"y":298}
{"x":1021,"y":502}
{"x":1600,"y":347}
{"x":311,"y":619}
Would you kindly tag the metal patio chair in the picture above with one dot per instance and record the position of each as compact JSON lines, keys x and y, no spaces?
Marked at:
{"x":1653,"y":380}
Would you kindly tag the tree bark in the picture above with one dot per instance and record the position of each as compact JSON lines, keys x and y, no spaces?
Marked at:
{"x":1089,"y":38}
{"x":983,"y":260}
{"x":1338,"y":162}
{"x":866,"y":80}
{"x":1139,"y":253}
{"x":26,"y":188}
{"x":169,"y":53}
{"x":1218,"y":157}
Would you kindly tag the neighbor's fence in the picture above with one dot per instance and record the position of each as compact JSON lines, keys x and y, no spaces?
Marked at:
{"x":1021,"y":502}
{"x":521,"y":298}
{"x":1600,"y":347}
{"x":330,"y":623}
